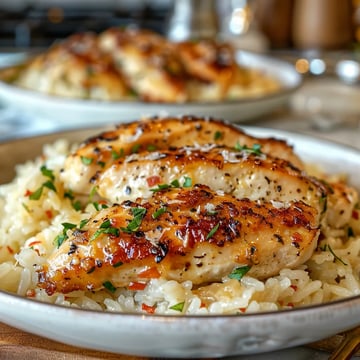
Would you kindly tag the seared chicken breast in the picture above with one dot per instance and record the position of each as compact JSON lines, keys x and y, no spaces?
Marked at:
{"x":154,"y":134}
{"x":241,"y":173}
{"x":182,"y":234}
{"x":151,"y":67}
{"x":75,"y":68}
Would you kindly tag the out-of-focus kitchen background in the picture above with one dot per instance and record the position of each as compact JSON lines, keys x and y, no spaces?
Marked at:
{"x":319,"y":37}
{"x":302,"y":24}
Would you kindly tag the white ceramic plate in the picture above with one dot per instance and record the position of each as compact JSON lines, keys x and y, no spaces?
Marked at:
{"x":190,"y":336}
{"x":70,"y":112}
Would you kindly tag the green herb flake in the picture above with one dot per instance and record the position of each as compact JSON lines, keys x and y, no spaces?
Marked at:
{"x":101,"y":164}
{"x":83,"y":223}
{"x":151,"y":147}
{"x":50,"y":185}
{"x":86,"y":160}
{"x":118,"y":264}
{"x":91,"y":270}
{"x":117,"y":154}
{"x":92,"y":193}
{"x":36,"y":195}
{"x":135,"y":149}
{"x":212,"y":231}
{"x":109,"y":286}
{"x":60,"y":239}
{"x":255,"y":149}
{"x":63,"y":236}
{"x":26,"y":207}
{"x":105,"y":228}
{"x":187,"y":182}
{"x":69,"y":195}
{"x":175,"y":183}
{"x":239,"y":272}
{"x":335,"y":256}
{"x":76,"y":205}
{"x":218,"y":135}
{"x":178,"y":307}
{"x":160,"y":187}
{"x":159,"y":212}
{"x":134,"y":224}
{"x":47,"y":172}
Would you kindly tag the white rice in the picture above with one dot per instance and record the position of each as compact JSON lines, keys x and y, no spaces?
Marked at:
{"x":28,"y":229}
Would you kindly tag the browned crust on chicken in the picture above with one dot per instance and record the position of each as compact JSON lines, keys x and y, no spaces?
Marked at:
{"x":198,"y":235}
{"x":240,"y":173}
{"x":158,"y":134}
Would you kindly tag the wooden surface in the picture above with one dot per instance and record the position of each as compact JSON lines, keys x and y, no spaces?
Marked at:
{"x":19,"y":345}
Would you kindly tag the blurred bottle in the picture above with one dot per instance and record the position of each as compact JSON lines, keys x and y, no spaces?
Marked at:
{"x":322,"y":24}
{"x":274,"y":19}
{"x":193,"y":19}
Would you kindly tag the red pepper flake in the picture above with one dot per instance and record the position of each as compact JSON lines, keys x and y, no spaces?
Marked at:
{"x":9,"y":249}
{"x":153,"y":180}
{"x":137,"y":286}
{"x":355,"y":215}
{"x":49,"y":214}
{"x":151,"y":273}
{"x":28,"y":193}
{"x":148,"y":309}
{"x":294,"y":287}
{"x":290,"y":304}
{"x":34,"y":243}
{"x":242,"y":310}
{"x":30,"y":293}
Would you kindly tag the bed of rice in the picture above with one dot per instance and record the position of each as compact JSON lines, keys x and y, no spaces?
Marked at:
{"x":28,"y":229}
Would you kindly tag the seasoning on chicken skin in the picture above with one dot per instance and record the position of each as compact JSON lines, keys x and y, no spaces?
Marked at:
{"x":157,"y":134}
{"x":148,"y":62}
{"x":240,"y":173}
{"x":182,"y":234}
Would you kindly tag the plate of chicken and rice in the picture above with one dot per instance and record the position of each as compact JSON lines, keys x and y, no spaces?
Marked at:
{"x":213,"y":238}
{"x":125,"y":73}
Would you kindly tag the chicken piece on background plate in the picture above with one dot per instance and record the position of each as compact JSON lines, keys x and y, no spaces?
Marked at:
{"x":75,"y":68}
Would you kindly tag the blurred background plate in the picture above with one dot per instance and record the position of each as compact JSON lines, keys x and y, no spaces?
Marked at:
{"x":68,"y":113}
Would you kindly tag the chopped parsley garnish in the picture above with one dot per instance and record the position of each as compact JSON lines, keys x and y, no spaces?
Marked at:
{"x":159,"y":212}
{"x":47,"y":184}
{"x":218,"y":135}
{"x":255,"y":149}
{"x":239,"y":272}
{"x":105,"y":228}
{"x":47,"y":172}
{"x":117,"y":154}
{"x":212,"y":231}
{"x":151,"y":147}
{"x":86,"y":160}
{"x":178,"y":307}
{"x":134,"y":224}
{"x":174,"y":184}
{"x":187,"y":182}
{"x":135,"y":149}
{"x":63,"y":236}
{"x":118,"y":264}
{"x":109,"y":286}
{"x":83,"y":223}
